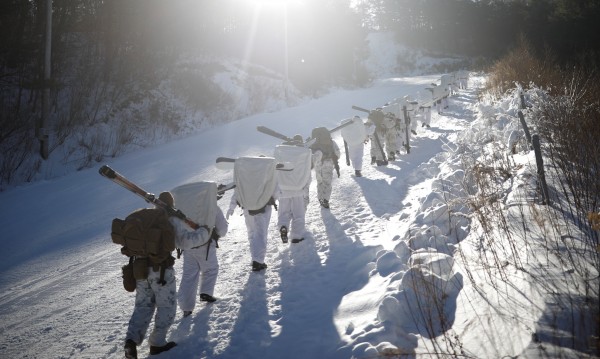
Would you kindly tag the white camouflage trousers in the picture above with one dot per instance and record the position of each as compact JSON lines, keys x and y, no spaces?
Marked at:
{"x":426,"y":116}
{"x":195,"y":265}
{"x":324,"y":175}
{"x":292,"y":210}
{"x":356,"y":152}
{"x":258,"y":227}
{"x":391,"y":141}
{"x":376,"y":151}
{"x":151,"y":297}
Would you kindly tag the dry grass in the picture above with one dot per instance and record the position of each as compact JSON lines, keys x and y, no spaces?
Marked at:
{"x":568,"y":123}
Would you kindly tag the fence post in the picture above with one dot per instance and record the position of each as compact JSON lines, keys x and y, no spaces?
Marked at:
{"x":407,"y":129}
{"x":540,"y":169}
{"x":522,"y":97}
{"x":525,"y":127}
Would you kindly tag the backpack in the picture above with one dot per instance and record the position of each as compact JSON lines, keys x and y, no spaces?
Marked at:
{"x":355,"y":133}
{"x":145,"y":233}
{"x":323,"y":143}
{"x":377,"y":117}
{"x":321,"y":134}
{"x":198,"y":200}
{"x":300,"y":160}
{"x":255,"y":182}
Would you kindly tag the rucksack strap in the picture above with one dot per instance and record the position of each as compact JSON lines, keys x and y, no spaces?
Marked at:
{"x":214,"y":237}
{"x":161,"y":280}
{"x":208,"y":248}
{"x":167,"y":263}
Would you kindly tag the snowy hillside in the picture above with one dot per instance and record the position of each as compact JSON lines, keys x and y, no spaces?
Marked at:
{"x":400,"y":265}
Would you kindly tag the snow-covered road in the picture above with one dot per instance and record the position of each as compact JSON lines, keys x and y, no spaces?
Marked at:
{"x":61,"y":294}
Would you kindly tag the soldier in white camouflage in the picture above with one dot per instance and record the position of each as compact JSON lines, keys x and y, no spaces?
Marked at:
{"x":326,"y":154}
{"x":376,"y":119}
{"x":156,"y":295}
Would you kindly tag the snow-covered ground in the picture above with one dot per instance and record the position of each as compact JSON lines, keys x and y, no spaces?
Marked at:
{"x":398,"y":266}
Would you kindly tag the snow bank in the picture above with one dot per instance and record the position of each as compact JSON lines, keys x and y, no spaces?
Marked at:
{"x":425,"y":283}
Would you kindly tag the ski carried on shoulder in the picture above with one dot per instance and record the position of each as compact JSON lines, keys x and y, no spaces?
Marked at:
{"x":340,"y":126}
{"x":273,"y":133}
{"x":360,"y":109}
{"x":270,"y":132}
{"x":227,"y":164}
{"x":222,"y":188}
{"x":378,"y":142}
{"x":309,"y":141}
{"x":119,"y":179}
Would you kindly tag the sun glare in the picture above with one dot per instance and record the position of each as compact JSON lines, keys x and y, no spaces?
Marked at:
{"x":274,"y":3}
{"x":261,"y":2}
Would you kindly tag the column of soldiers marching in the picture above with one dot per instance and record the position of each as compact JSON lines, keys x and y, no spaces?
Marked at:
{"x":188,"y":219}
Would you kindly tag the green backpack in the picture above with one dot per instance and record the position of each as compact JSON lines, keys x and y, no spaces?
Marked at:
{"x":145,"y":233}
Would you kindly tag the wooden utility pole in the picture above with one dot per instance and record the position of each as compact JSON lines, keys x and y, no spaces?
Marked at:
{"x":43,"y":130}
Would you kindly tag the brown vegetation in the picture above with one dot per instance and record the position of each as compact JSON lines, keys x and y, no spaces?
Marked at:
{"x":567,"y":120}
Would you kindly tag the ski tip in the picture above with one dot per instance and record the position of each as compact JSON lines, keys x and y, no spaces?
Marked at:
{"x":107,"y":172}
{"x":225,"y":163}
{"x":225,"y":159}
{"x":222,"y":188}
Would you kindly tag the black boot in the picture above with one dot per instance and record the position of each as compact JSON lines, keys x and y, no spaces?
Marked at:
{"x":130,"y":349}
{"x":258,"y":266}
{"x":357,"y":173}
{"x":283,"y":233}
{"x":373,"y":160}
{"x":207,"y":298}
{"x":157,"y":350}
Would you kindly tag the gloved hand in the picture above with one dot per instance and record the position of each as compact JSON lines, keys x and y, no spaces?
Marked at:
{"x":229,"y":213}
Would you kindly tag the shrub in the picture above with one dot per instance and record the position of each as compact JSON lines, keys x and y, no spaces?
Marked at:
{"x":521,"y":66}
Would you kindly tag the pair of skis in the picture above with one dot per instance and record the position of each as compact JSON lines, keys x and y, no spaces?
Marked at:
{"x":227,"y":163}
{"x":309,"y":141}
{"x":222,"y":163}
{"x":119,"y":179}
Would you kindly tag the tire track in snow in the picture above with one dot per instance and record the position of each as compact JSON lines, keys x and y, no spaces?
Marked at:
{"x":75,"y":291}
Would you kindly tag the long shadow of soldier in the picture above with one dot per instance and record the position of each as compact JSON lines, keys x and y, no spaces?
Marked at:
{"x":253,"y":317}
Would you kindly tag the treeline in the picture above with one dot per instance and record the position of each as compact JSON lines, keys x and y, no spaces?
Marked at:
{"x":317,"y":41}
{"x":489,"y":28}
{"x":134,"y":38}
